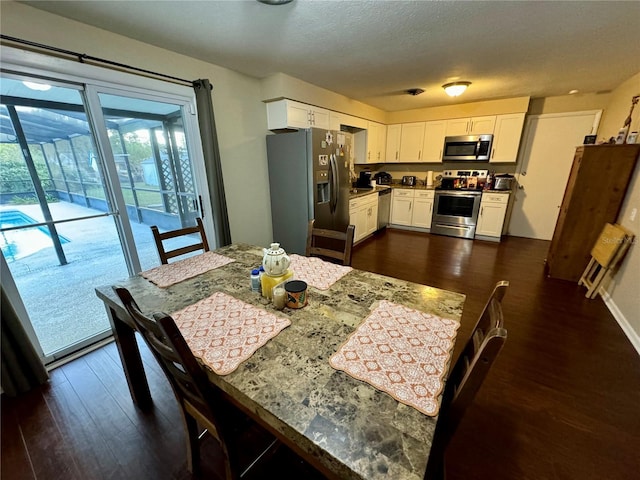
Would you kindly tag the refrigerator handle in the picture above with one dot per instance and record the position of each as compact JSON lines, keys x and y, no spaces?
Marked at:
{"x":333,"y":182}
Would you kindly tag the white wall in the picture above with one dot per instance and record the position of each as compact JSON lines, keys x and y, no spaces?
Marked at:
{"x":623,"y":294}
{"x":239,"y":111}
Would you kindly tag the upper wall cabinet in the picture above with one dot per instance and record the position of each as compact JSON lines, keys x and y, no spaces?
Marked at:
{"x":411,"y":142}
{"x":471,"y":126}
{"x":283,"y":114}
{"x":376,"y":142}
{"x":339,"y":120}
{"x":434,"y":133}
{"x":417,"y":142}
{"x":506,"y":138}
{"x":370,"y":144}
{"x":393,"y":143}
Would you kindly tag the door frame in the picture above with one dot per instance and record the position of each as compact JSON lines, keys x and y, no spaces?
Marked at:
{"x":527,"y":139}
{"x":14,"y":60}
{"x":93,"y":80}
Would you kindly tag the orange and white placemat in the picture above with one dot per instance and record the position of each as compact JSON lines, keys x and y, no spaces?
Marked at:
{"x":224,"y":331}
{"x":401,"y":351}
{"x":172,"y":273}
{"x":316,"y":272}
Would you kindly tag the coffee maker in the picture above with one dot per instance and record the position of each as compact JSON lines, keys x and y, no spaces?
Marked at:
{"x":364,"y":180}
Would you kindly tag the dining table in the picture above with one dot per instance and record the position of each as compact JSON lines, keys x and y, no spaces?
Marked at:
{"x":343,"y":426}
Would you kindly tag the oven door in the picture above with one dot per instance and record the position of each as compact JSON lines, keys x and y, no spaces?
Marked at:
{"x":455,"y":213}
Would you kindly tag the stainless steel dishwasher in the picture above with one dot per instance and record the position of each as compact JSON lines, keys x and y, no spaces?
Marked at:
{"x":384,"y":207}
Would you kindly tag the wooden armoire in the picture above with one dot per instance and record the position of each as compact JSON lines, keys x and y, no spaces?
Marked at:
{"x":597,"y":186}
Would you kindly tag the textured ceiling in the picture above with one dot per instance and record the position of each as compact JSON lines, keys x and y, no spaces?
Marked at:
{"x":373,"y":51}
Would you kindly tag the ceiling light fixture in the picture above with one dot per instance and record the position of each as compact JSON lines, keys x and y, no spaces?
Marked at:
{"x":415,"y":91}
{"x":454,"y":89}
{"x":41,"y":87}
{"x":275,"y":2}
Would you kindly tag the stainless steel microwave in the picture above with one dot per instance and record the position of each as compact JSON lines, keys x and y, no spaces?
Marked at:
{"x":467,"y":148}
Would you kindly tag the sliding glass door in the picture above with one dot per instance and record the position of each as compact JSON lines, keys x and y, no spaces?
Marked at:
{"x":84,"y":173}
{"x":153,"y":164}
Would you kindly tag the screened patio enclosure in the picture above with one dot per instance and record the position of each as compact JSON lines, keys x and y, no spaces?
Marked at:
{"x":84,"y":172}
{"x":152,"y":162}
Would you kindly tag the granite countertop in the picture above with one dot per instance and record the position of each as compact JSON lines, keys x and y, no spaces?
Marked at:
{"x":357,"y":192}
{"x":416,"y":187}
{"x":361,"y":192}
{"x":351,"y":428}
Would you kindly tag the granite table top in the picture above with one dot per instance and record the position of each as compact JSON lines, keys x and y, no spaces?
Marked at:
{"x":344,"y":425}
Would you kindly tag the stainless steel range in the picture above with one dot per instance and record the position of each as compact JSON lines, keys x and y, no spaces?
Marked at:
{"x":457,"y":202}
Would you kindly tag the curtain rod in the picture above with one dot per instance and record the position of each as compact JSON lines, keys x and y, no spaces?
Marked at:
{"x":83,"y":58}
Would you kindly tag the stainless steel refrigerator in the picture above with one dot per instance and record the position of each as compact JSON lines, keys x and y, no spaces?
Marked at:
{"x":309,"y":177}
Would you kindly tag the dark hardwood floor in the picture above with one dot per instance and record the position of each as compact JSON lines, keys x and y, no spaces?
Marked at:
{"x":561,"y":402}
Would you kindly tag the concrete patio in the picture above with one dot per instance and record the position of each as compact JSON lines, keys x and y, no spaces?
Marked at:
{"x":60,"y":299}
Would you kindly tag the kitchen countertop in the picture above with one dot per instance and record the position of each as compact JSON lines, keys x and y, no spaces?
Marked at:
{"x":417,"y":187}
{"x":356,"y":192}
{"x":361,"y":192}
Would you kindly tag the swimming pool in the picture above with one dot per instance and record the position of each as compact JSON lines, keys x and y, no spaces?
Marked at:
{"x":21,"y":243}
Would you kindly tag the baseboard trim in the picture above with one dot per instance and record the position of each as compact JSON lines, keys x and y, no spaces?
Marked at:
{"x":631,"y":334}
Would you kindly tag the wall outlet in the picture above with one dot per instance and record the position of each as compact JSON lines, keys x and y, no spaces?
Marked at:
{"x":632,"y":217}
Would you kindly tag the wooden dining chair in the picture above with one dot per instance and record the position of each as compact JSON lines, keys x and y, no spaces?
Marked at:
{"x":201,"y":402}
{"x":166,"y":254}
{"x":330,"y":244}
{"x":467,"y":375}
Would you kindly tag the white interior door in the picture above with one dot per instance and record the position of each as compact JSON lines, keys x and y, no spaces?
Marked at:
{"x":550,"y":144}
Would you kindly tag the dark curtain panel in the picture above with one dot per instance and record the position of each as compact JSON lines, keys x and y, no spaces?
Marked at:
{"x":213,"y":167}
{"x":21,"y":367}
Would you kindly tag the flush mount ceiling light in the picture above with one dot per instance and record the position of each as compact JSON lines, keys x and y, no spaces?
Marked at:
{"x":415,"y":91}
{"x":275,"y":2}
{"x":454,"y":89}
{"x":42,"y":87}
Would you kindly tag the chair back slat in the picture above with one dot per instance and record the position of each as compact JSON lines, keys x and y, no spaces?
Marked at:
{"x":166,"y":254}
{"x":467,"y":375}
{"x":332,"y":244}
{"x":187,"y":377}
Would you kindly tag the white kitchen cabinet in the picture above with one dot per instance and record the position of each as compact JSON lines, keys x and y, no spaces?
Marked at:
{"x":401,"y":206}
{"x":376,"y":139}
{"x":434,"y":133}
{"x":363,"y":215}
{"x":471,"y":126}
{"x":422,"y":208}
{"x":506,"y":138}
{"x":393,"y":143}
{"x":411,"y":142}
{"x":491,"y":219}
{"x":283,"y":114}
{"x":339,"y":120}
{"x":372,"y":216}
{"x":336,"y":120}
{"x":412,"y":208}
{"x":370,"y":144}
